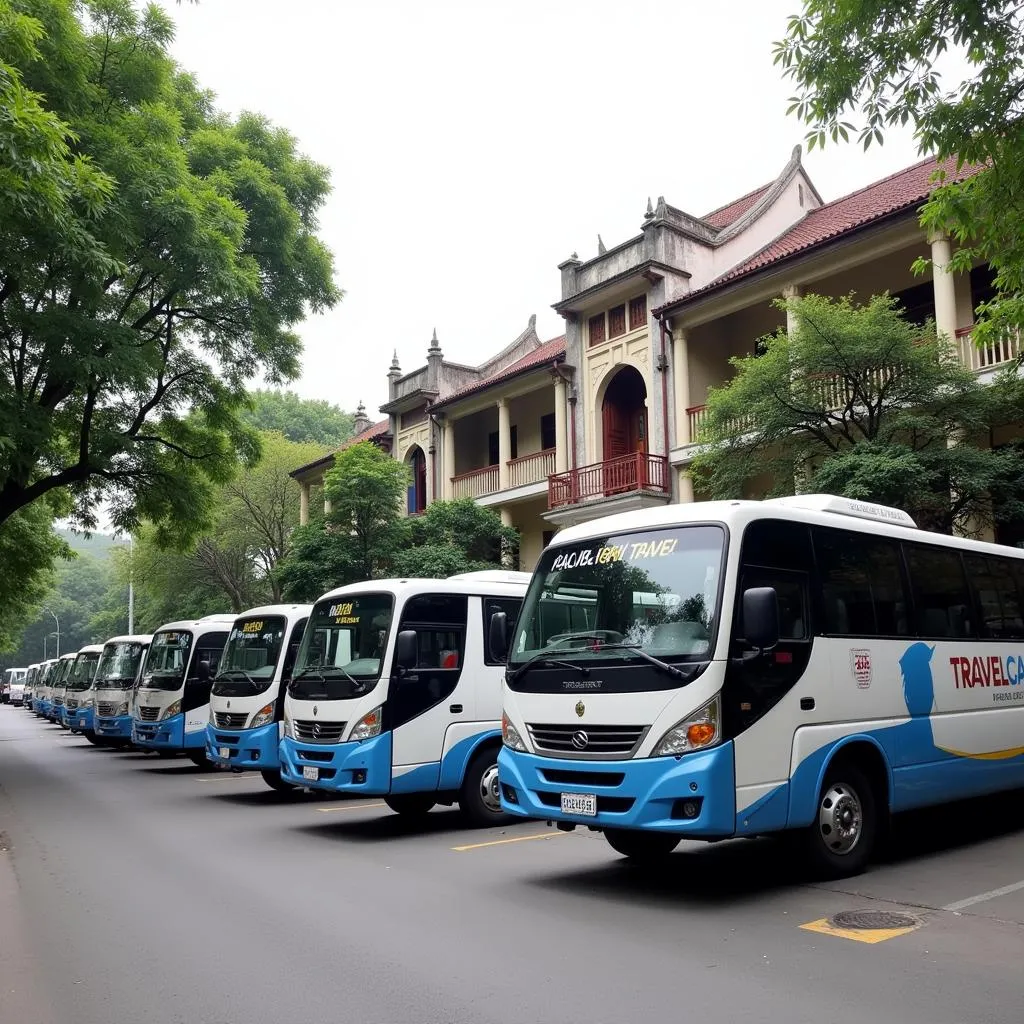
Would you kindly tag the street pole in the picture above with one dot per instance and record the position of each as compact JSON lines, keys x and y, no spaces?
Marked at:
{"x":131,"y":586}
{"x":57,"y":634}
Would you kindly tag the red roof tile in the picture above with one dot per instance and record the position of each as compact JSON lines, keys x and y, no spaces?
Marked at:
{"x":370,"y":433}
{"x":545,"y":353}
{"x":901,"y":191}
{"x":725,"y":215}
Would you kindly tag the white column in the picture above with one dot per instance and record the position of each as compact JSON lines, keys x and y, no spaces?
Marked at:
{"x":561,"y":438}
{"x":944,"y":286}
{"x":791,"y":291}
{"x":303,"y":502}
{"x":685,"y":487}
{"x":506,"y":516}
{"x":504,"y":443}
{"x":681,"y":380}
{"x":448,"y":460}
{"x":327,"y":506}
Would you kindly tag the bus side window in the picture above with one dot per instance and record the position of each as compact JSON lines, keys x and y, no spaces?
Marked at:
{"x":942,"y":602}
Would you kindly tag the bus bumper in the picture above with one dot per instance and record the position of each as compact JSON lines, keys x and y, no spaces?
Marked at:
{"x":113,"y":728}
{"x":82,"y":719}
{"x":693,"y":795}
{"x":360,"y":767}
{"x":254,"y":749}
{"x":168,"y":734}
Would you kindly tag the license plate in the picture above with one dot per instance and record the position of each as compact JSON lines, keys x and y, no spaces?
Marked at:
{"x":580,"y":803}
{"x":312,"y":774}
{"x":225,"y":752}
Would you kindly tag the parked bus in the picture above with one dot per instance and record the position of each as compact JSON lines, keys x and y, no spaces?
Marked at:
{"x":10,"y":676}
{"x":55,"y":689}
{"x":410,"y":713}
{"x":813,"y":664}
{"x":76,"y":713}
{"x":172,"y":705}
{"x":247,"y":697}
{"x":119,"y":671}
{"x":42,"y":677}
{"x":19,"y":682}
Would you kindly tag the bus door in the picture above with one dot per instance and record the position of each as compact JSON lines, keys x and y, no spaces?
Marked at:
{"x":422,"y":701}
{"x":201,"y":669}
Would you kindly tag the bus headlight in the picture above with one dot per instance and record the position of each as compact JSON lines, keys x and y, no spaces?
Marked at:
{"x":172,"y":709}
{"x":695,"y":732}
{"x":288,"y":726}
{"x":368,"y":726}
{"x":510,"y":735}
{"x":263,"y":716}
{"x":122,"y":709}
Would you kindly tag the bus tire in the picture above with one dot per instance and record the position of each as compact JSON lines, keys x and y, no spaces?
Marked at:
{"x":275,"y":782}
{"x":412,"y":805}
{"x":840,"y":841}
{"x":199,"y":759}
{"x":96,"y":741}
{"x":480,"y":796}
{"x":641,"y":846}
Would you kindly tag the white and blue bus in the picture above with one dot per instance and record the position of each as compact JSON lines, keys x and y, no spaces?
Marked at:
{"x":77,"y":711}
{"x":113,"y":689}
{"x":395,"y":694}
{"x":247,"y":697}
{"x":172,"y":704}
{"x":740,"y":668}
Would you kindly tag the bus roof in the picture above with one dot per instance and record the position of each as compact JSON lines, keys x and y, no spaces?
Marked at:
{"x":465,"y":584}
{"x":91,"y":649}
{"x":131,"y":638}
{"x":205,"y":623}
{"x":287,"y":610}
{"x":818,"y":509}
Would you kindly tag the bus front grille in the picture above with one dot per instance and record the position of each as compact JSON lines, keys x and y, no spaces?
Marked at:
{"x":318,"y":732}
{"x":587,"y":741}
{"x":71,"y":704}
{"x":227,"y":720}
{"x":107,"y":709}
{"x":149,"y":714}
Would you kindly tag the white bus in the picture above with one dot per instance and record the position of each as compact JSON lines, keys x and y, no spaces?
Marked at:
{"x":247,"y":698}
{"x":394,"y":693}
{"x":172,"y":705}
{"x":117,"y":676}
{"x":77,"y":711}
{"x":43,"y":676}
{"x":13,"y":687}
{"x":812,"y":663}
{"x":54,"y":689}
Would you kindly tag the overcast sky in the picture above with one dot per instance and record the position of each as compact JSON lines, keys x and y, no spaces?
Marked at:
{"x":474,"y":145}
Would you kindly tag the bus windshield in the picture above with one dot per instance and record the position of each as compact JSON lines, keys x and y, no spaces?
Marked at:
{"x":250,"y":656}
{"x":119,"y":664}
{"x":168,"y":656}
{"x":655,"y":591}
{"x":82,"y":671}
{"x":343,"y":647}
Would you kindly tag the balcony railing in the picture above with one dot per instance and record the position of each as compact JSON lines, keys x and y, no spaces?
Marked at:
{"x":637,"y":472}
{"x":1004,"y":350}
{"x":477,"y":483}
{"x":698,"y":414}
{"x":531,"y":469}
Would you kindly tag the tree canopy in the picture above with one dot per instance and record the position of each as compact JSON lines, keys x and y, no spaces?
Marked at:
{"x":155,"y":257}
{"x":860,"y":402}
{"x":864,"y":66}
{"x":300,"y":419}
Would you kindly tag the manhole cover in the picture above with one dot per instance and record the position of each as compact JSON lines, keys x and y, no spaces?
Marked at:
{"x":870,"y":919}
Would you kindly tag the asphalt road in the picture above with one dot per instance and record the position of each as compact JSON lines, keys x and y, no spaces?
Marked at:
{"x":138,"y":891}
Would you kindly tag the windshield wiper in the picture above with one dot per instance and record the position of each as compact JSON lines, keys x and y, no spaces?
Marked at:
{"x":318,"y":673}
{"x":542,"y":658}
{"x":672,"y":670}
{"x":237,"y":672}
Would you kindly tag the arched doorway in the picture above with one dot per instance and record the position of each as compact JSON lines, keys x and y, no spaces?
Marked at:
{"x":624,"y":431}
{"x":417,"y":493}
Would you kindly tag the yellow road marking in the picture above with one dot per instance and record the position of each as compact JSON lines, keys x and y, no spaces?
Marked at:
{"x":515,"y":839}
{"x":349,"y":807}
{"x":871,"y":935}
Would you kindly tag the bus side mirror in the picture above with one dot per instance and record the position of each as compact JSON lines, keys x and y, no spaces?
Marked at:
{"x":203,"y":672}
{"x":497,"y":636}
{"x":406,"y":650}
{"x":761,"y":617}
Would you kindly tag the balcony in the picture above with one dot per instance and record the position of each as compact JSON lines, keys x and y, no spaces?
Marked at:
{"x":980,"y":360}
{"x":531,"y":469}
{"x":476,"y":483}
{"x":628,"y":474}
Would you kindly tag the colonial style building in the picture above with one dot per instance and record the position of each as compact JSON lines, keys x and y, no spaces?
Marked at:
{"x":605,"y":418}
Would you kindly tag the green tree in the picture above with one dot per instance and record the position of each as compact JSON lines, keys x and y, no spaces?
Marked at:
{"x":303,"y":420}
{"x":874,"y":61}
{"x":456,"y":536}
{"x":319,"y":560}
{"x":862,"y":403}
{"x":174,"y":252}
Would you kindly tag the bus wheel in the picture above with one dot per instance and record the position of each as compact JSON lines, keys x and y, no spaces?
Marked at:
{"x":413,"y":805}
{"x":199,"y":759}
{"x":275,"y":782}
{"x":480,"y":796}
{"x":642,"y":846}
{"x":96,"y":741}
{"x":840,"y":841}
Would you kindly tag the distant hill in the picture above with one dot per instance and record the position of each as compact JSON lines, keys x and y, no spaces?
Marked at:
{"x":99,"y":545}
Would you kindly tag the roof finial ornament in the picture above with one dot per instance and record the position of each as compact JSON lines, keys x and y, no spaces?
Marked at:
{"x":435,"y":345}
{"x":533,"y":321}
{"x":575,"y":256}
{"x":662,"y":210}
{"x":650,"y":210}
{"x":601,"y":247}
{"x":396,"y":370}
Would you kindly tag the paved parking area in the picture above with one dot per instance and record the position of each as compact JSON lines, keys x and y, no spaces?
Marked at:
{"x":151,"y":890}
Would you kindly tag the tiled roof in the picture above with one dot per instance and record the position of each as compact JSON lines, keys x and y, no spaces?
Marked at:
{"x":545,"y":353}
{"x":725,"y":215}
{"x":370,"y":433}
{"x":898,"y":192}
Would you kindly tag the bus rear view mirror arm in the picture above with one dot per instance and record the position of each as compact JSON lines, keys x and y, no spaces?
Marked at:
{"x":497,"y":636}
{"x":761,"y":618}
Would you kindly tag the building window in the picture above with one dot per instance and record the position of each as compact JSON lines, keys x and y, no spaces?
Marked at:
{"x":492,"y":448}
{"x":638,"y":312}
{"x":513,"y":441}
{"x":616,"y":321}
{"x":596,"y":325}
{"x":547,"y":431}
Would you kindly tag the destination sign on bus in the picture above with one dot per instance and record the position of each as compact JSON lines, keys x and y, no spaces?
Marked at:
{"x":631,"y":552}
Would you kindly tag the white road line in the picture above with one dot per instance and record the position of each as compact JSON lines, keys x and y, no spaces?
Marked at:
{"x":983,"y":896}
{"x":223,"y":778}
